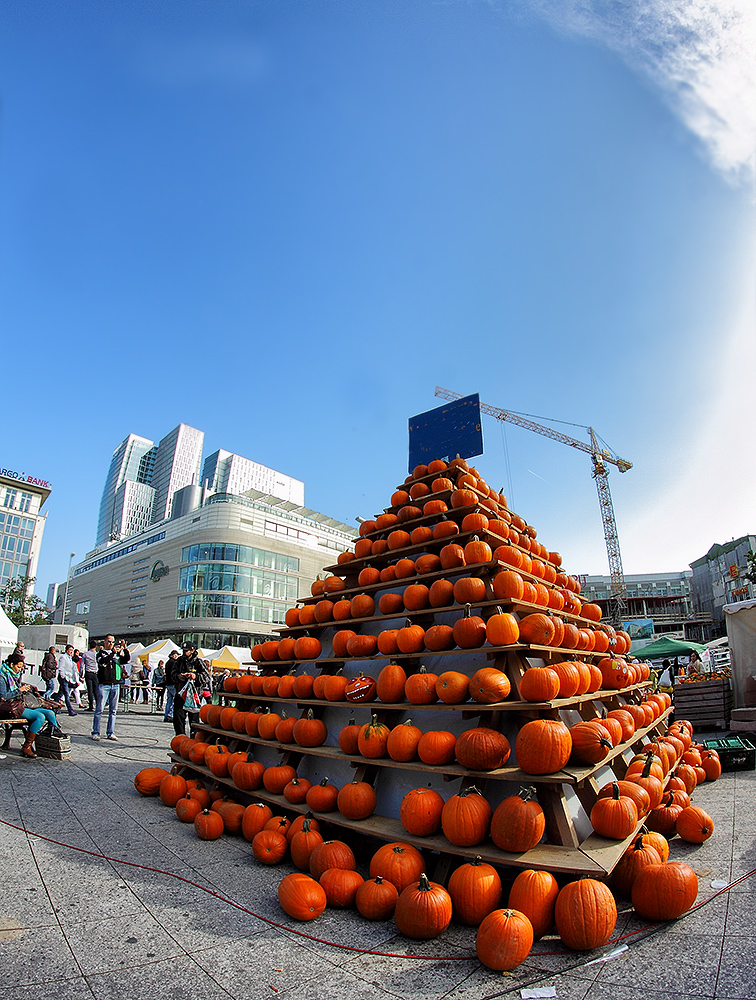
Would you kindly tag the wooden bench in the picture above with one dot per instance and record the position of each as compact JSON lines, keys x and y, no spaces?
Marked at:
{"x":10,"y":726}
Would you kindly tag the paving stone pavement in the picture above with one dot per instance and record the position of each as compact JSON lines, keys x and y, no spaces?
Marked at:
{"x":75,"y":924}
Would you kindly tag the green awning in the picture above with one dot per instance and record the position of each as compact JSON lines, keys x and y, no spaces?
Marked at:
{"x":664,"y":648}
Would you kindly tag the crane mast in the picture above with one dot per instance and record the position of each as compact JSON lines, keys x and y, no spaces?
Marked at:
{"x":599,"y":458}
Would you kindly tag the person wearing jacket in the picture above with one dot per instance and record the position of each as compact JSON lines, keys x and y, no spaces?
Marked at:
{"x":68,"y":678}
{"x":111,"y":659}
{"x":170,"y":684}
{"x":49,"y":671}
{"x":11,"y":687}
{"x":188,"y":667}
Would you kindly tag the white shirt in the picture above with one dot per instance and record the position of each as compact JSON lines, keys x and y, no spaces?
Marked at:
{"x":67,"y":669}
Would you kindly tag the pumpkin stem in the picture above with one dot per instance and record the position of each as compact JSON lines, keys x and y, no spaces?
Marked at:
{"x":424,"y":884}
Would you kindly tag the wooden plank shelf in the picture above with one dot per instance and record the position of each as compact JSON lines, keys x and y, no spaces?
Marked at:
{"x":571,"y":774}
{"x":597,"y":860}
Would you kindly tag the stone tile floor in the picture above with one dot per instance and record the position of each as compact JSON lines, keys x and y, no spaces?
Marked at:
{"x":75,"y":926}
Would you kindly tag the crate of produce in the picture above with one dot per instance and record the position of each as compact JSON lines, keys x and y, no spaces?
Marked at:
{"x":736,"y":753}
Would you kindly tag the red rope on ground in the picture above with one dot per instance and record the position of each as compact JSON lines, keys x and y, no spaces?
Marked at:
{"x":238,"y":906}
{"x":334,"y":944}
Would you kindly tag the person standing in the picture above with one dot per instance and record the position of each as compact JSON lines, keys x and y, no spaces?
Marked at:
{"x":189,"y":667}
{"x":170,"y":684}
{"x":68,"y":678}
{"x":158,"y":683}
{"x":49,"y":671}
{"x":111,"y":660}
{"x":89,"y":659}
{"x":76,"y":657}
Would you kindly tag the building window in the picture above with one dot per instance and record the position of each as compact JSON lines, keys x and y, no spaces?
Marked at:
{"x":232,"y":578}
{"x":231,"y":606}
{"x":25,"y":504}
{"x":218,"y":552}
{"x":10,"y":497}
{"x":82,"y":608}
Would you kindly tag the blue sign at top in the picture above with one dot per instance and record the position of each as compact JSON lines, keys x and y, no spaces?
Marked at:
{"x":446,"y":431}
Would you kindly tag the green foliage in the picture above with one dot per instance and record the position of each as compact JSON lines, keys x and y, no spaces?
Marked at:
{"x":21,"y":605}
{"x":750,"y":573}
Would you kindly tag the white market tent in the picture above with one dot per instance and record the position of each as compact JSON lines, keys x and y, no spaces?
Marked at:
{"x":741,"y":630}
{"x":8,"y":631}
{"x":158,"y":650}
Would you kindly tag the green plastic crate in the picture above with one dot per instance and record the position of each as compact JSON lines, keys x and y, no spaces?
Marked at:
{"x":736,"y":753}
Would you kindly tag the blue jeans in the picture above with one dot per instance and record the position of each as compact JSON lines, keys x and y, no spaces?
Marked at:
{"x":65,"y":688}
{"x":170,"y":694}
{"x":106,"y":694}
{"x":38,"y":717}
{"x":50,"y":689}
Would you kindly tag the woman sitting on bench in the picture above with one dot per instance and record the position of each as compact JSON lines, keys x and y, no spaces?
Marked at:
{"x":11,"y":688}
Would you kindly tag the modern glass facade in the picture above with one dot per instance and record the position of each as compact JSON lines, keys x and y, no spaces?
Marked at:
{"x":236,"y":581}
{"x":125,"y":465}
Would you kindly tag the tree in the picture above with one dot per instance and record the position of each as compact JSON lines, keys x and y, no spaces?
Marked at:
{"x":21,"y":605}
{"x":750,"y":573}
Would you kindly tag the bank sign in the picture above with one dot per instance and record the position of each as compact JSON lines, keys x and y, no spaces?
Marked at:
{"x":23,"y":478}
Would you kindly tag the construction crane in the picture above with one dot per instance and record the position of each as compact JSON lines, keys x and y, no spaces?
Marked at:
{"x":599,"y":456}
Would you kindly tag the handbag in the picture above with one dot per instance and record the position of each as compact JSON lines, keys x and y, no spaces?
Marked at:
{"x":12,"y":708}
{"x":31,"y":700}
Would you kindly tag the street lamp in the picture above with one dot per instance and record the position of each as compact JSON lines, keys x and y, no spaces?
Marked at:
{"x":68,"y":581}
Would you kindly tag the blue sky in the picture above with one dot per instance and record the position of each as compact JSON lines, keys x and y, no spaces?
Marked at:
{"x":285,"y":223}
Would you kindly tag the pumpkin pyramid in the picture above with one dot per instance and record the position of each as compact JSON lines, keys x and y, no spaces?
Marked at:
{"x":442,"y":665}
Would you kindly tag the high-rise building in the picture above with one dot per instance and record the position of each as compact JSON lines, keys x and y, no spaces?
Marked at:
{"x":133,"y":508}
{"x":21,"y":523}
{"x":224,"y":472}
{"x":178,"y":459}
{"x":128,"y":463}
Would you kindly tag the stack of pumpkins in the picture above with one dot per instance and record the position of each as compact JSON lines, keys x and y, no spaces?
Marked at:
{"x":583,"y":912}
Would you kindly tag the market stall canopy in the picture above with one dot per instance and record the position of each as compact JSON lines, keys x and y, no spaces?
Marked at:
{"x":665,"y":648}
{"x":231,"y":657}
{"x":158,"y":650}
{"x":740,"y":619}
{"x":9,"y":632}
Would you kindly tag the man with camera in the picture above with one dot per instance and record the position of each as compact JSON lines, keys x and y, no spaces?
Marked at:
{"x":111,"y":660}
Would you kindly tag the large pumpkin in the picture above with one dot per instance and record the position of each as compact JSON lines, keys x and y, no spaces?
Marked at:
{"x":585,"y":914}
{"x":543,"y":746}
{"x":301,"y":897}
{"x":475,"y":889}
{"x":534,"y":893}
{"x":423,"y":910}
{"x":504,"y":940}
{"x":665,"y":891}
{"x":466,"y":817}
{"x":147,"y":781}
{"x":518,"y":823}
{"x":482,"y":749}
{"x":399,"y":863}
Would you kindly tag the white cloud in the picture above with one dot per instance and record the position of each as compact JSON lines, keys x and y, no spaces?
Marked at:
{"x":700,"y":53}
